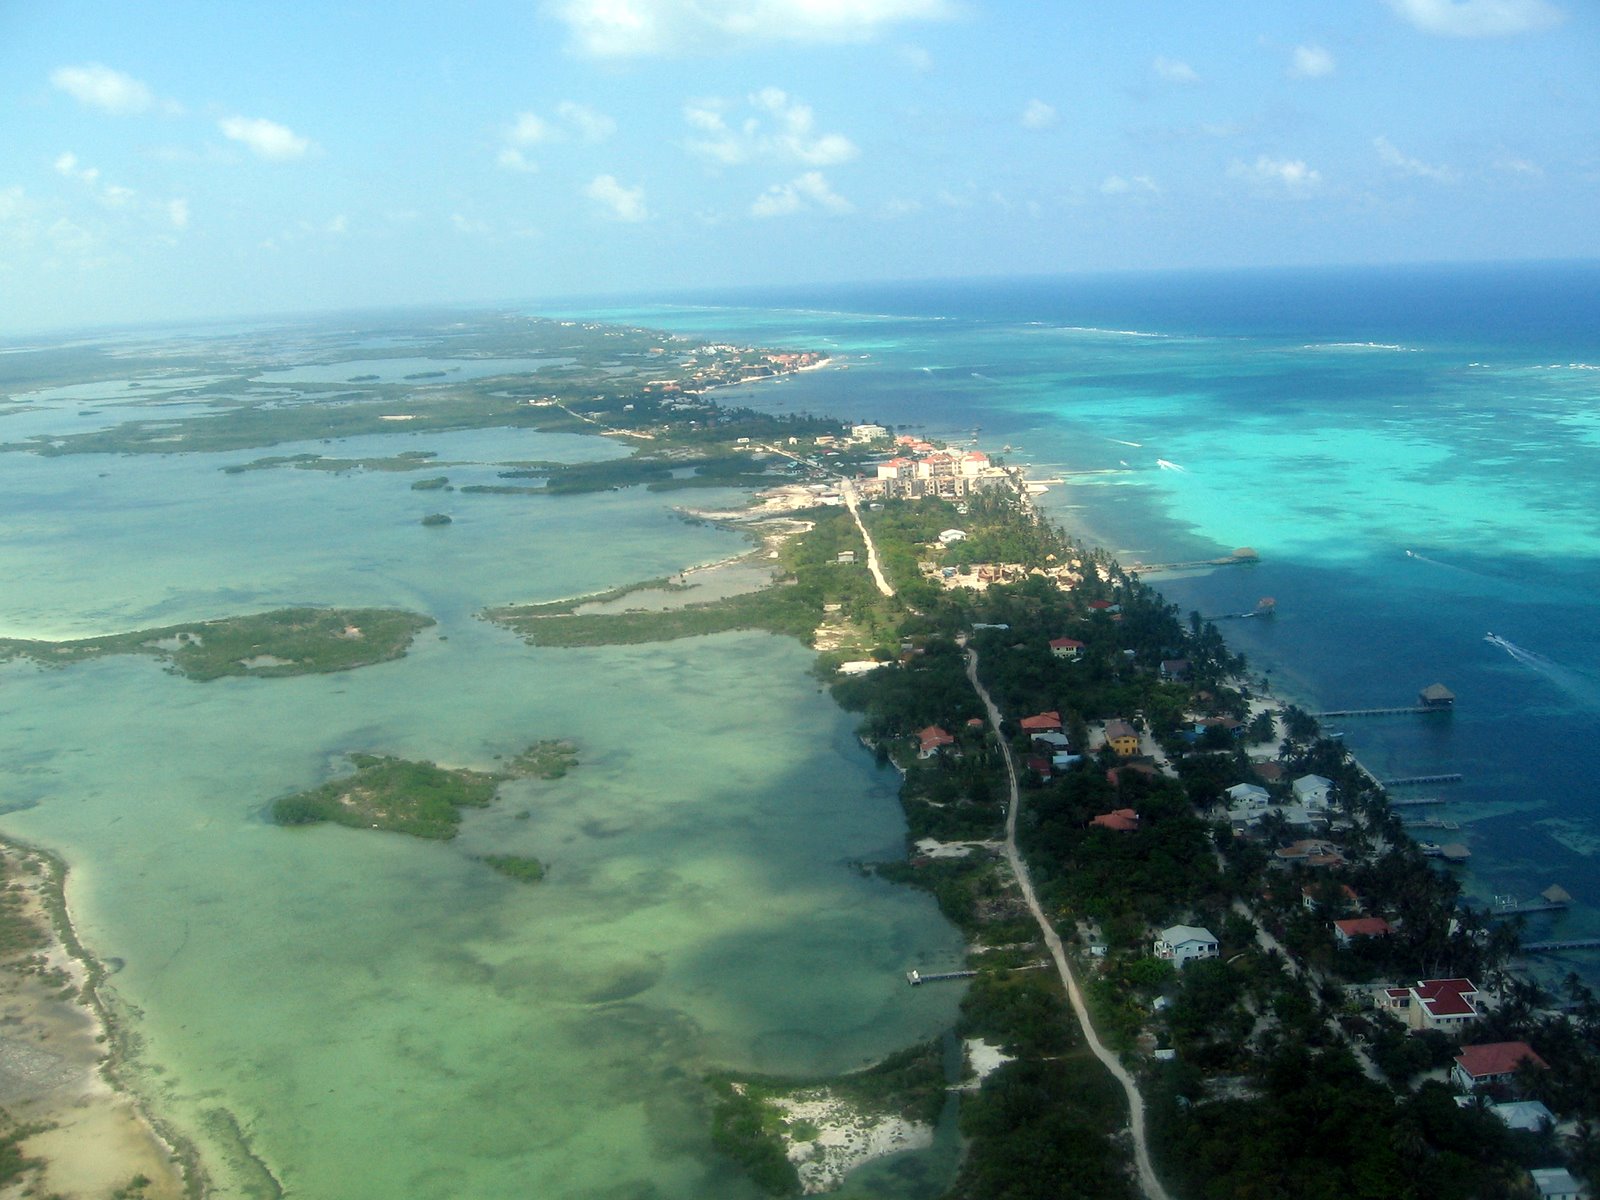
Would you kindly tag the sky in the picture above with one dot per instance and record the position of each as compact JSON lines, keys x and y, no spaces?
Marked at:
{"x":195,"y":158}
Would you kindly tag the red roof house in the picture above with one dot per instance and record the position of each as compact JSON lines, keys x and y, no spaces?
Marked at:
{"x":1434,"y":1003}
{"x":1066,"y":647}
{"x":1045,"y":722}
{"x":1359,"y":927}
{"x":1492,"y":1062}
{"x":932,"y":739}
{"x":1122,"y":820}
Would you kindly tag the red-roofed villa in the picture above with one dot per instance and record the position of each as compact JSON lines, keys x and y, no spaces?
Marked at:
{"x":1492,"y":1062}
{"x":1045,"y":722}
{"x":1445,"y":1004}
{"x":1360,"y":927}
{"x":932,"y":739}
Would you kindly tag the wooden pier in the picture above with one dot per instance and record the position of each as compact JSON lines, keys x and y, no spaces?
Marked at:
{"x":1517,"y":910}
{"x":1418,"y":780}
{"x":1240,"y":557}
{"x":1420,"y":802}
{"x":916,"y":978}
{"x":1431,"y":822}
{"x":1404,"y":710}
{"x":1569,"y":944}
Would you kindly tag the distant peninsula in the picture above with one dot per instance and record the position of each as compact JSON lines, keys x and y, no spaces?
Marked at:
{"x":285,"y":642}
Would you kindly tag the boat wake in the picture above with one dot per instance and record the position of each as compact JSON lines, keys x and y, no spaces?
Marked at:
{"x":1434,"y":562}
{"x":1169,"y":466}
{"x":1120,"y":442}
{"x":1578,"y":684}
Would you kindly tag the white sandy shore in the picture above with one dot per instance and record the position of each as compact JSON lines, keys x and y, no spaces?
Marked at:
{"x":933,"y":848}
{"x":984,"y":1060}
{"x":54,"y":1056}
{"x":845,"y":1137}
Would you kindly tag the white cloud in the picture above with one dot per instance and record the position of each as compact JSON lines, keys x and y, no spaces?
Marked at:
{"x":1116,"y":185}
{"x":1392,"y":156}
{"x":1291,"y":174}
{"x":178,"y":213}
{"x":591,"y":126}
{"x":1310,"y":62}
{"x":100,"y":87}
{"x":67,"y":164}
{"x":513,"y":159}
{"x":468,"y":225}
{"x":791,"y":135}
{"x":636,"y":28}
{"x":530,"y":129}
{"x":264,"y":138}
{"x":801,"y":194}
{"x":916,"y":58}
{"x":1038,"y":115}
{"x":1519,"y":166}
{"x":621,"y":203}
{"x":1478,"y":18}
{"x":116,"y":196}
{"x":1173,"y":71}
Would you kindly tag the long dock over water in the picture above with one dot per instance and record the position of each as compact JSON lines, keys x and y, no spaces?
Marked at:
{"x":1231,"y":560}
{"x":916,"y":978}
{"x":1402,"y":710}
{"x":1570,"y":944}
{"x":1418,"y":780}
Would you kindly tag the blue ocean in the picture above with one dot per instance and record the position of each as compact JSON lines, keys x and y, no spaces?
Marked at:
{"x":1414,"y":453}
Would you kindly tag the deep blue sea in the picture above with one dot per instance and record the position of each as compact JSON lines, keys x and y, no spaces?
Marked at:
{"x":1414,"y":453}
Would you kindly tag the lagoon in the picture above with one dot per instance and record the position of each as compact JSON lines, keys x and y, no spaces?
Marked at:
{"x":347,"y":1013}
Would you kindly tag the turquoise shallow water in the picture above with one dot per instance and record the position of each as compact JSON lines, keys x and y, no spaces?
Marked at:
{"x":374,"y":1016}
{"x":1333,"y":421}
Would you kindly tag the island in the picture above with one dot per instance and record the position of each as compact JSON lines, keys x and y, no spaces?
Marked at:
{"x":270,"y":645}
{"x":1204,"y":957}
{"x":421,"y":799}
{"x":1203,"y":953}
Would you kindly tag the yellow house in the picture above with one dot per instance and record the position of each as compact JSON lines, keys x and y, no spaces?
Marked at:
{"x":1122,"y":738}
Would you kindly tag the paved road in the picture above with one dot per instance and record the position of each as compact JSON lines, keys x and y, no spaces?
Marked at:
{"x":1148,"y":1181}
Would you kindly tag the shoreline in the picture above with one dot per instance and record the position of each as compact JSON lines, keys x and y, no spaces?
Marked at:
{"x":97,"y":1134}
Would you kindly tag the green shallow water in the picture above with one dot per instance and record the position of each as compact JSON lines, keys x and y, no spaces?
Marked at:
{"x":369,"y":1015}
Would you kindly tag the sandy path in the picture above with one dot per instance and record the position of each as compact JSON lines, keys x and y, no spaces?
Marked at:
{"x":1148,"y":1180}
{"x":851,"y":501}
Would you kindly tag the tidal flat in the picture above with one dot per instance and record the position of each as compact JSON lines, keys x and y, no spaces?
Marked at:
{"x":327,"y":1012}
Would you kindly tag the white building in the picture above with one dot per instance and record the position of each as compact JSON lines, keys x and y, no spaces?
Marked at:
{"x":1247,"y":795}
{"x":1184,"y":943}
{"x":1556,"y":1183}
{"x":1313,"y":790}
{"x":867,"y":433}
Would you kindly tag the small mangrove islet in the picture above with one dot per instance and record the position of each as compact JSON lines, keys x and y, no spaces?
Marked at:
{"x":422,"y":799}
{"x":285,"y":642}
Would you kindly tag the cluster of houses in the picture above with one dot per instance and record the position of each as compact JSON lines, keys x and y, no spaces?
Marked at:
{"x":717,"y":364}
{"x":1250,"y":803}
{"x":979,"y":576}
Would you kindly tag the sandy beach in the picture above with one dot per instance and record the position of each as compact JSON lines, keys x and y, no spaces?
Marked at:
{"x":86,"y":1138}
{"x":840,"y":1136}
